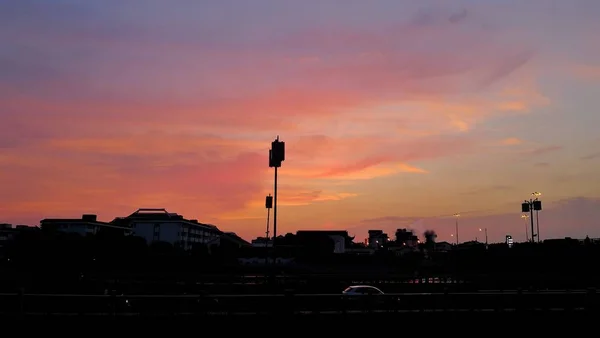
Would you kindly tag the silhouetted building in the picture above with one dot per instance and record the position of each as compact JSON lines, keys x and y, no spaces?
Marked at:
{"x":231,"y":239}
{"x":406,"y":238}
{"x":443,"y":247}
{"x":558,"y":242}
{"x":470,"y":245}
{"x":262,"y":242}
{"x":341,"y":239}
{"x":8,"y":233}
{"x":588,"y":240}
{"x":360,"y":251}
{"x":86,"y":225}
{"x":377,"y":239}
{"x":159,"y":225}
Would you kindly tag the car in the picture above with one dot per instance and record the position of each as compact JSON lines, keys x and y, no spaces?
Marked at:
{"x":362,"y":290}
{"x":369,"y":296}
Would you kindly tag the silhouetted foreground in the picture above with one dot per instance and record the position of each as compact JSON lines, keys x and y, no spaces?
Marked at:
{"x":39,"y":261}
{"x":290,"y":304}
{"x":343,"y":324}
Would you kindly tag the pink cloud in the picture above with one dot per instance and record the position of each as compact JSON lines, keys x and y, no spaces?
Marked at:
{"x":355,"y":68}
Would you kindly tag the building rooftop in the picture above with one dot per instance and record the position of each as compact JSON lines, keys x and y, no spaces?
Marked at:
{"x":157,"y":214}
{"x":323,"y":232}
{"x":307,"y":233}
{"x":86,"y":218}
{"x":236,"y":239}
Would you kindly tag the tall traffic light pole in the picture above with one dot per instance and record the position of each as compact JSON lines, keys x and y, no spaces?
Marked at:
{"x":276,"y":156}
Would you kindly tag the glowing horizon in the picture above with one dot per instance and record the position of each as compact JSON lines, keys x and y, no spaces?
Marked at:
{"x":395,"y":113}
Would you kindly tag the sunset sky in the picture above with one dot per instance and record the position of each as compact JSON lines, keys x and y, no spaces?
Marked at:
{"x":395,"y":113}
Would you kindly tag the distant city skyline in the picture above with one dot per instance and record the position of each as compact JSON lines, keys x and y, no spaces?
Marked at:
{"x":395,"y":114}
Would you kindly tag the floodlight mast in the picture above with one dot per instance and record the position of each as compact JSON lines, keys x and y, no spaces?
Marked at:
{"x":528,"y":206}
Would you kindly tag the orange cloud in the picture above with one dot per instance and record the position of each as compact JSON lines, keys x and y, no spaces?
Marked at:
{"x":511,"y":141}
{"x":403,"y":167}
{"x":96,"y":182}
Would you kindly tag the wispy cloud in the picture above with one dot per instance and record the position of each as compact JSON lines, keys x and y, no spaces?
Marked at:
{"x":542,"y":150}
{"x":488,"y":190}
{"x":591,"y":156}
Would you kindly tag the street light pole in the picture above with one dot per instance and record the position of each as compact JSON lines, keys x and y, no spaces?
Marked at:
{"x":457,"y":215}
{"x":537,"y":221}
{"x":537,"y":213}
{"x":525,"y":217}
{"x":486,"y":237}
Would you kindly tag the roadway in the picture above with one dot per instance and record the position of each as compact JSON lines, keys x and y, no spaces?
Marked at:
{"x":303,"y":313}
{"x":547,"y":300}
{"x":481,"y":292}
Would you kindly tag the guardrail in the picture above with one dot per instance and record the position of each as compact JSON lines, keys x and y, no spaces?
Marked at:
{"x":294,"y":304}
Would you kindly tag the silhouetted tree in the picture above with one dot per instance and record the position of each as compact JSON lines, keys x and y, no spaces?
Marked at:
{"x":430,"y":237}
